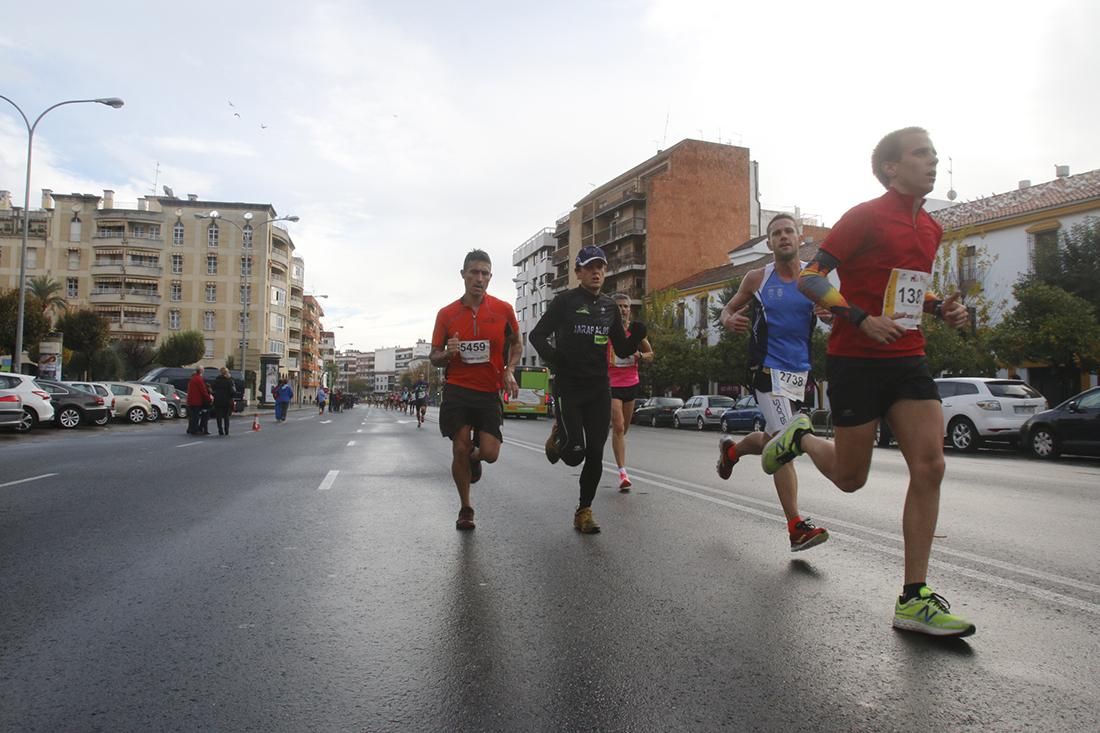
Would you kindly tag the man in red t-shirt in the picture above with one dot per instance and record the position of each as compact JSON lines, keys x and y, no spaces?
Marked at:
{"x":470,"y":338}
{"x":883,"y":252}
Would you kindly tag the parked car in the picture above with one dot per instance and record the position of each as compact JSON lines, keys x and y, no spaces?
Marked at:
{"x":11,"y":409}
{"x":702,"y":411}
{"x":1071,"y":427}
{"x":73,"y":406}
{"x":657,"y":411}
{"x":980,"y":409}
{"x":745,"y":415}
{"x":37,"y":407}
{"x":157,"y":400}
{"x":101,"y":389}
{"x":176,"y":405}
{"x":132,"y":402}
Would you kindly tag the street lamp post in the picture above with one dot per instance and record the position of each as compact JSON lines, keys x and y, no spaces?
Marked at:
{"x":246,"y":277}
{"x":115,"y":102}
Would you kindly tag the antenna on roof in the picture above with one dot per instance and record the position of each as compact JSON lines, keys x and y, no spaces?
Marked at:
{"x":951,"y":193}
{"x":156,"y":178}
{"x":168,"y":192}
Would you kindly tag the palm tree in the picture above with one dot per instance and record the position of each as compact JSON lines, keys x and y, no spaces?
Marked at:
{"x":48,"y":292}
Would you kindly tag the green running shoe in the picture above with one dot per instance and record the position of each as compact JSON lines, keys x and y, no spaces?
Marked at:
{"x":784,"y":448}
{"x":928,"y":614}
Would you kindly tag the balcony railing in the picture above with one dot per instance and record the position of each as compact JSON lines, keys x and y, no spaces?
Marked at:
{"x":628,"y":196}
{"x":139,"y":269}
{"x":280,"y":255}
{"x":106,"y":295}
{"x":622,"y":263}
{"x":131,"y":326}
{"x":108,"y":268}
{"x":295,"y":323}
{"x":619,"y":229}
{"x":560,"y":283}
{"x":561,"y":254}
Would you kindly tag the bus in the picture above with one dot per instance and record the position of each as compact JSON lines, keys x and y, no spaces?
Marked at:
{"x":534,"y":393}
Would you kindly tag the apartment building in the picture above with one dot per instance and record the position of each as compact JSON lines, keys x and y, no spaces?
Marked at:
{"x":164,"y":265}
{"x":311,"y":344}
{"x":663,"y":220}
{"x":534,"y":273}
{"x":381,"y":368}
{"x":327,"y":356}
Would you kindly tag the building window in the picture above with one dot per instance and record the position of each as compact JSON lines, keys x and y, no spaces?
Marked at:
{"x":246,"y":237}
{"x":177,"y":234}
{"x":74,"y":259}
{"x":212,"y":235}
{"x":1043,"y":254}
{"x":278,"y":322}
{"x":174,"y":320}
{"x":246,"y":293}
{"x":211,"y":264}
{"x":71,"y":287}
{"x":246,"y":266}
{"x":276,"y":347}
{"x":175,"y":290}
{"x":278,"y":296}
{"x":298,"y":272}
{"x":211,"y":293}
{"x":209,"y":353}
{"x":32,"y":258}
{"x":74,"y":228}
{"x":208,"y":321}
{"x":177,"y":264}
{"x":968,"y":265}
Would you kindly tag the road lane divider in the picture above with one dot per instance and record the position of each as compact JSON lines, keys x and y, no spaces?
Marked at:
{"x":26,"y":480}
{"x":188,"y":445}
{"x":329,"y":480}
{"x":695,"y":491}
{"x":351,"y":443}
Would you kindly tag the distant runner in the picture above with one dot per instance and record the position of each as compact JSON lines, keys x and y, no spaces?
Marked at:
{"x":622,"y":373}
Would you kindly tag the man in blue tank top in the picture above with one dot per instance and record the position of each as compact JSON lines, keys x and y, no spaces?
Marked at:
{"x":779,"y":321}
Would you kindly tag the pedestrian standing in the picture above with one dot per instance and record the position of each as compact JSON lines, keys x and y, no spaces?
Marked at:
{"x":284,"y":393}
{"x":582,"y":322}
{"x":198,"y":396}
{"x":471,"y":337}
{"x":321,"y":395}
{"x":223,"y":391}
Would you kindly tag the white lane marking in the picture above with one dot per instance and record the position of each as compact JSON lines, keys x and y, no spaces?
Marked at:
{"x":329,"y":480}
{"x":185,"y":445}
{"x":325,"y":422}
{"x":1040,"y":593}
{"x":359,"y":431}
{"x":351,"y":443}
{"x":25,"y":480}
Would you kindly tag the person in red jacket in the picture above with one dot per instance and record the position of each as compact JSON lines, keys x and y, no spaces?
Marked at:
{"x":198,"y":397}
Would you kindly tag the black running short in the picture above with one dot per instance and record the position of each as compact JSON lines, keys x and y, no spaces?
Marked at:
{"x":626,"y":394}
{"x":482,"y":411}
{"x":420,"y":403}
{"x":862,"y":390}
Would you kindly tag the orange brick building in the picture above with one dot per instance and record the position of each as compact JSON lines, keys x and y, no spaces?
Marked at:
{"x":664,"y":220}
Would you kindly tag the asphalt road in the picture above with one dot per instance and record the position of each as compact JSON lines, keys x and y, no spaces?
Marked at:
{"x":309,"y":578}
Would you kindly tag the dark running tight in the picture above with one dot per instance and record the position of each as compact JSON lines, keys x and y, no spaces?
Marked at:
{"x":583,"y":417}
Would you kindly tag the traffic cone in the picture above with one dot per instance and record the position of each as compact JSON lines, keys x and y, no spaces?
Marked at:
{"x":256,"y":423}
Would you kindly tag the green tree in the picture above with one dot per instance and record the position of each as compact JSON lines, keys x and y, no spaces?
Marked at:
{"x":1048,"y":325}
{"x":230,"y":363}
{"x":35,"y":323}
{"x":84,"y":330}
{"x":105,"y":365}
{"x":1073,"y":266}
{"x":951,"y":352}
{"x":360,"y":386}
{"x":48,"y":291}
{"x":679,"y":362}
{"x":181,"y":349}
{"x":135,"y":357}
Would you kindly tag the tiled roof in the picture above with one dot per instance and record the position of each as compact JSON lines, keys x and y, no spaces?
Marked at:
{"x":1052,"y":194}
{"x":719,"y":276}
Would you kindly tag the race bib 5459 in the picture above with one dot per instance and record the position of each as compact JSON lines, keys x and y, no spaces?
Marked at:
{"x":474,"y":352}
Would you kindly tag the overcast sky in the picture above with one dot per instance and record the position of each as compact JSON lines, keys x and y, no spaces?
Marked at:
{"x":405,"y":134}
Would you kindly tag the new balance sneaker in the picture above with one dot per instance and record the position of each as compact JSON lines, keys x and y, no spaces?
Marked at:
{"x":805,"y":535}
{"x":465,"y":518}
{"x":624,"y":483}
{"x":584,"y":522}
{"x":929,"y":614}
{"x":784,"y":448}
{"x":725,"y":465}
{"x":552,"y":453}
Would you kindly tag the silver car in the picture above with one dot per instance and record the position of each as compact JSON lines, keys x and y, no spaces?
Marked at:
{"x":702,"y":411}
{"x":11,"y":409}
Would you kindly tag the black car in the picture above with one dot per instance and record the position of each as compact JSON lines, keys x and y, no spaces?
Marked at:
{"x":1071,"y":427}
{"x":657,"y":411}
{"x":73,"y":407}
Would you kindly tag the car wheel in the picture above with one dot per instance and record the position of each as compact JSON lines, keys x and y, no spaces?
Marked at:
{"x":962,"y":435}
{"x":1043,"y":444}
{"x":757,"y":425}
{"x":104,"y":420}
{"x":653,"y":421}
{"x":724,"y":425}
{"x":69,"y":418}
{"x":675,"y":422}
{"x":154,"y":414}
{"x":171,"y":413}
{"x":136,"y":415}
{"x":30,"y":419}
{"x":699,"y":424}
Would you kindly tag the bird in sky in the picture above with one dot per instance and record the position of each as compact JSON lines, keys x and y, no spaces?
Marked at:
{"x":237,"y":115}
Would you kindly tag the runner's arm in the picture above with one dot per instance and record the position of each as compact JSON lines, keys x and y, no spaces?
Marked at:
{"x":622,"y":344}
{"x":813,"y":282}
{"x":730,"y":317}
{"x":544,"y":329}
{"x":515,"y":350}
{"x":645,"y":349}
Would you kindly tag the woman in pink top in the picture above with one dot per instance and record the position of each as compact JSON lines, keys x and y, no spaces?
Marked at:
{"x":623,"y":373}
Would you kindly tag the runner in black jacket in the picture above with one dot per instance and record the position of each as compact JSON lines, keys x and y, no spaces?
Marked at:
{"x":582,"y":322}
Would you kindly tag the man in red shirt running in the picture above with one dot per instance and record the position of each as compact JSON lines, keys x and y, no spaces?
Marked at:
{"x":470,"y":338}
{"x":883,"y":252}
